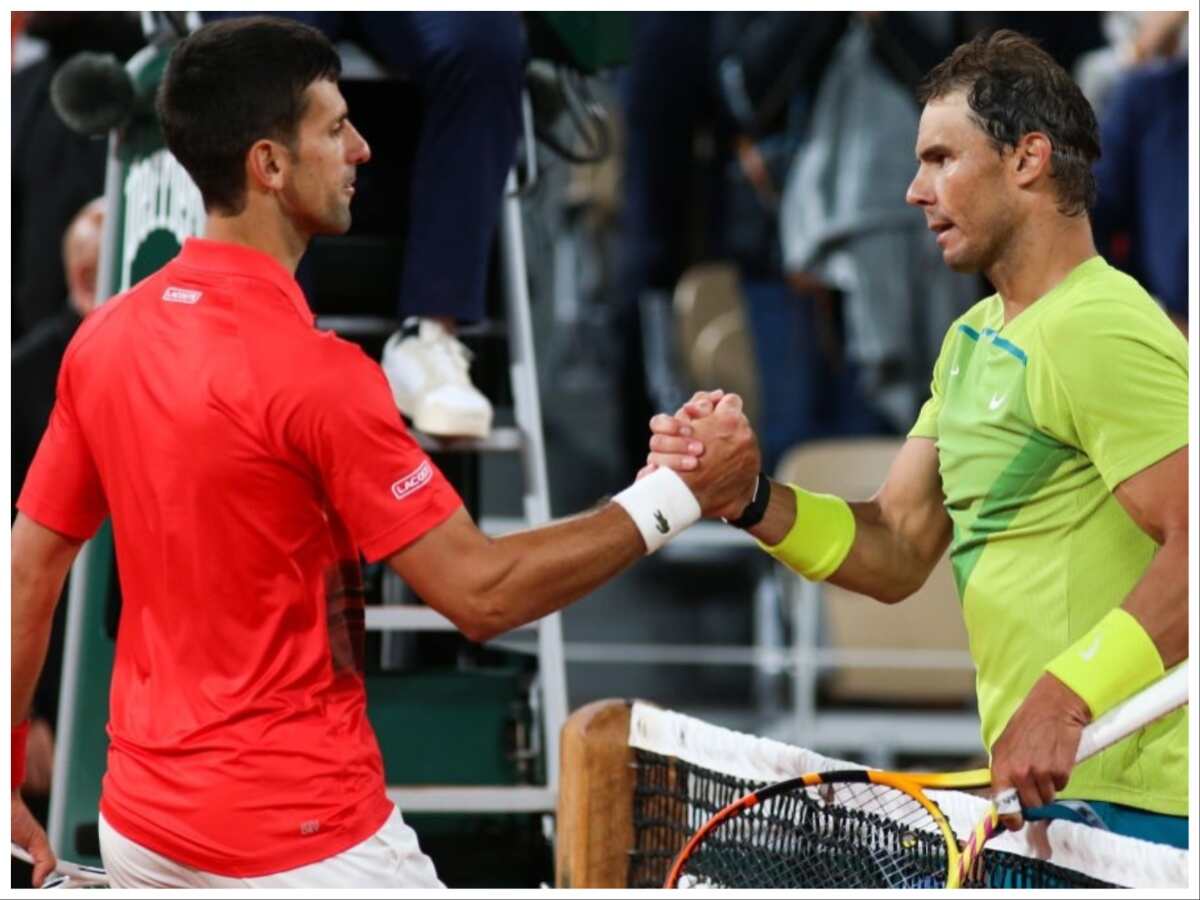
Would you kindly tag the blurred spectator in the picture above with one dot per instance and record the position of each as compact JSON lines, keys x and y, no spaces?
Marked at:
{"x":469,"y":69}
{"x":1066,"y":35}
{"x":718,"y":106}
{"x":672,"y":204}
{"x":36,"y":357}
{"x":1134,"y":38}
{"x":54,"y":171}
{"x":81,"y":256}
{"x":25,"y":49}
{"x":711,"y":110}
{"x":769,"y":66}
{"x":1161,"y":35}
{"x":846,"y":226}
{"x":1141,"y":216}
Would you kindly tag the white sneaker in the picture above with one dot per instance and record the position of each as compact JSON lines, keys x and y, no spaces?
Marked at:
{"x":427,"y":369}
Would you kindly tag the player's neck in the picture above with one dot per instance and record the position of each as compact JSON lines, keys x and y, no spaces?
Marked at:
{"x":260,"y":230}
{"x":1038,"y":259}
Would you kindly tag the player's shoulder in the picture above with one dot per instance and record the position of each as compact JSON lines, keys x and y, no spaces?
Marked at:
{"x":97,"y":326}
{"x":1107,"y":324}
{"x":1104,"y":301}
{"x":328,"y":351}
{"x":304,"y":360}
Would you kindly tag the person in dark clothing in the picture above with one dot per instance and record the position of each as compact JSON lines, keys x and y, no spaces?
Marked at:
{"x":1144,"y":133}
{"x":54,"y":171}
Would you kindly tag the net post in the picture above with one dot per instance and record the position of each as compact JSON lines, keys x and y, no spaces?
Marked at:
{"x":595,"y":798}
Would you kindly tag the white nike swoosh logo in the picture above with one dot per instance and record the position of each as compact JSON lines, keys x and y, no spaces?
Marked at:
{"x":954,"y":371}
{"x":1086,"y":655}
{"x":996,"y":402}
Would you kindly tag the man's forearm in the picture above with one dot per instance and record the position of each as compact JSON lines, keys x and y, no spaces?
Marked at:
{"x":881,"y":562}
{"x":33,"y":600}
{"x":555,"y":565}
{"x":1131,"y":646}
{"x":40,"y":561}
{"x":1159,"y":601}
{"x":487,"y":586}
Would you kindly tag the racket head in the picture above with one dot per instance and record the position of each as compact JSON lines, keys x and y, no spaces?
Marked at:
{"x":846,"y":829}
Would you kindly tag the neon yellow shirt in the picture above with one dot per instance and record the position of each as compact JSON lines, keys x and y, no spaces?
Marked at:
{"x":1037,"y":421}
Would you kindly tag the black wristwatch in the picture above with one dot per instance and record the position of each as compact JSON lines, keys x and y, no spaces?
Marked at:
{"x":756,"y":508}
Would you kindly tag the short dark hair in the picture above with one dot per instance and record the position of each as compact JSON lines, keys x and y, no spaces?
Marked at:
{"x":1014,"y":87}
{"x":233,"y":82}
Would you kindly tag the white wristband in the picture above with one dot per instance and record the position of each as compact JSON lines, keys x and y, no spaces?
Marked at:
{"x":661,"y":506}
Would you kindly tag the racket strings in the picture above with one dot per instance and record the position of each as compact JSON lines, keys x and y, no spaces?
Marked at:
{"x":840,"y":835}
{"x":666,"y":814}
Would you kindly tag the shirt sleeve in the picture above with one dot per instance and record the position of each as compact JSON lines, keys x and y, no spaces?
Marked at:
{"x":344,"y":423}
{"x":62,"y":489}
{"x":1113,"y":382}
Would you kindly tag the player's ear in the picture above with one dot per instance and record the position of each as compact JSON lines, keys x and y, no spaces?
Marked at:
{"x":1030,"y":159}
{"x":266,"y":165}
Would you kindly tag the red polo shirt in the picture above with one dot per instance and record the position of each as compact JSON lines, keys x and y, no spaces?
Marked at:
{"x":246,"y":459}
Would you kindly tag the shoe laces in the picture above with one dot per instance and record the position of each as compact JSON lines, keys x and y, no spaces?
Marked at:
{"x":451,"y":357}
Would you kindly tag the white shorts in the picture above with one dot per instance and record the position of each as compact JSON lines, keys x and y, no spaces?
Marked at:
{"x":390,"y":858}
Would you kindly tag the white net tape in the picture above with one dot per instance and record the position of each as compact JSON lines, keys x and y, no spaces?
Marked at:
{"x":1094,"y":852}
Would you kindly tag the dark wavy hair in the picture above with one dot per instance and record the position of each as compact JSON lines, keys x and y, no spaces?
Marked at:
{"x":231,"y":83}
{"x":1014,"y":87}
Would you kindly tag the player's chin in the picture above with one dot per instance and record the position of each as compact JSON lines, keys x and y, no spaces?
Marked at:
{"x":960,"y":263}
{"x":337,"y":222}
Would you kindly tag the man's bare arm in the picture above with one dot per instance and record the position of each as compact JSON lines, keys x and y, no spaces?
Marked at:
{"x":41,"y":559}
{"x":1157,"y":500}
{"x":900,"y":533}
{"x":487,"y":586}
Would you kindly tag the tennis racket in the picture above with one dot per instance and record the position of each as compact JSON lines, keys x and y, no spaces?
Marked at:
{"x":67,"y":874}
{"x":867,"y":828}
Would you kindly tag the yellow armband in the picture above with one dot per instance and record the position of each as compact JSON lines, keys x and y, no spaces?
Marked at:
{"x":1114,"y":660}
{"x":820,"y":537}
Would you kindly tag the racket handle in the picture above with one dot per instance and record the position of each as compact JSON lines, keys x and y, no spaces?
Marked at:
{"x":1007,"y":802}
{"x":984,"y":832}
{"x":1168,"y":693}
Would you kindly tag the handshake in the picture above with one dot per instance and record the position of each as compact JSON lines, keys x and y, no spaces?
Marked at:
{"x":709,"y":443}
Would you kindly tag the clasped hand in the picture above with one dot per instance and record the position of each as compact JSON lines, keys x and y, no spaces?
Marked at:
{"x":710,"y":443}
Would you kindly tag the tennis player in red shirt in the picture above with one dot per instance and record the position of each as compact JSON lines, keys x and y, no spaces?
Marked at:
{"x":247,"y":460}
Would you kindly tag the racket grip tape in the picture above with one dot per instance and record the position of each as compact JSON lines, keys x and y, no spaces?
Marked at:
{"x":984,"y":831}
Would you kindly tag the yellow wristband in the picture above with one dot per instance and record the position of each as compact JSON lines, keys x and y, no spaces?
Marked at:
{"x":820,"y":537}
{"x":1114,"y":660}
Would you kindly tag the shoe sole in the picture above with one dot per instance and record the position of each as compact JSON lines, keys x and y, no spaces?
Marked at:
{"x":441,"y":424}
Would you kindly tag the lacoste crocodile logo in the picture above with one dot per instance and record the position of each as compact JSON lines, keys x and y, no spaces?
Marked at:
{"x":661,"y":523}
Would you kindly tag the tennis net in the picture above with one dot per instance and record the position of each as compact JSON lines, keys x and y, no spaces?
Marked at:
{"x":687,"y":770}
